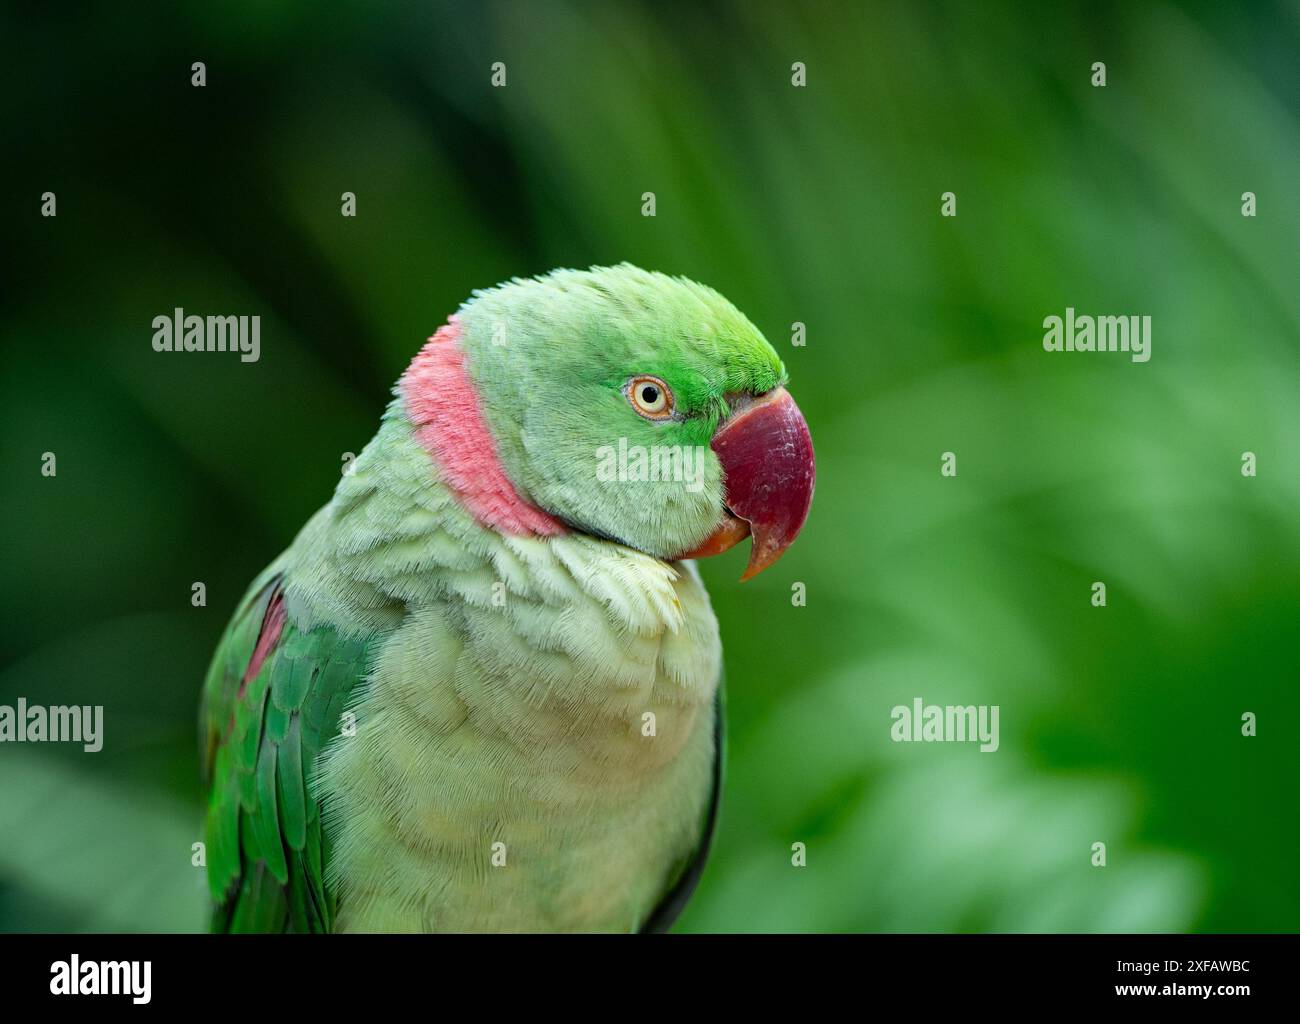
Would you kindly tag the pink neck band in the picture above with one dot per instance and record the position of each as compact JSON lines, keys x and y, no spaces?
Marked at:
{"x":443,"y":403}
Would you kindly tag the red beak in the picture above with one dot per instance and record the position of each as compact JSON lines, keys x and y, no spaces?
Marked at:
{"x":767,"y":463}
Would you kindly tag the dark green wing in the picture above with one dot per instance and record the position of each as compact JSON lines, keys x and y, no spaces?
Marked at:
{"x":663,"y":916}
{"x":273,"y":697}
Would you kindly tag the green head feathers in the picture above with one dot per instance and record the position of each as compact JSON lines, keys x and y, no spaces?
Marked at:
{"x":552,"y":359}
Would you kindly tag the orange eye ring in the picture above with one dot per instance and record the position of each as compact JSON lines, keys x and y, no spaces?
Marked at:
{"x":649,"y":397}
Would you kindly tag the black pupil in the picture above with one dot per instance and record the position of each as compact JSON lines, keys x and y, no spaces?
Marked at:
{"x":649,"y":394}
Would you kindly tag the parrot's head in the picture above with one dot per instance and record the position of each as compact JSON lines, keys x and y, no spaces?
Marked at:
{"x":619,"y":403}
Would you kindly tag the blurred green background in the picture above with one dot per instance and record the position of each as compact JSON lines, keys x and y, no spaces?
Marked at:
{"x":817,"y":204}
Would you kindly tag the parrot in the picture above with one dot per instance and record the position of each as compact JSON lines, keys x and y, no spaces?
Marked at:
{"x":481,"y":690}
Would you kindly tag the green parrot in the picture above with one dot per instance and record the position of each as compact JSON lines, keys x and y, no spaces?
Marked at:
{"x":481,"y":690}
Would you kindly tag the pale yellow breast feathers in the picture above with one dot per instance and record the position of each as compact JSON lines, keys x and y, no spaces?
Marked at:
{"x":534,"y":749}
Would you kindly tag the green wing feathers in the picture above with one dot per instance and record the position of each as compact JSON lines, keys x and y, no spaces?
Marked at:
{"x":273,"y":697}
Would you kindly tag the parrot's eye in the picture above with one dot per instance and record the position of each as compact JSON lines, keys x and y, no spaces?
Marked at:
{"x":650,"y":397}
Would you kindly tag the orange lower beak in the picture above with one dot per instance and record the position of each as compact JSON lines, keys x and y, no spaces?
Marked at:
{"x":768,"y":468}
